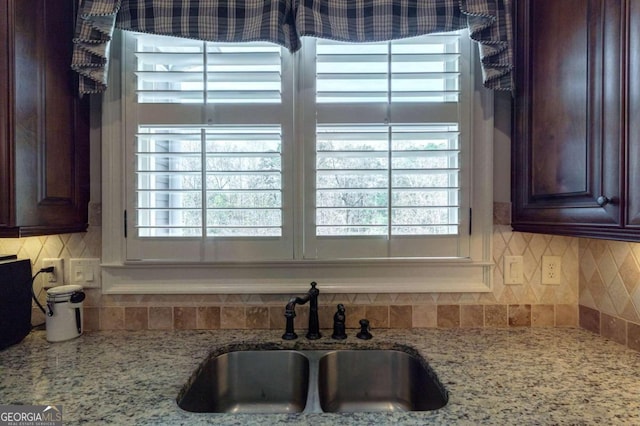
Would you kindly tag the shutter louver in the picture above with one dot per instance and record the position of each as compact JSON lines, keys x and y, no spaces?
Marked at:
{"x":175,"y":70}
{"x":217,"y":180}
{"x":392,"y":171}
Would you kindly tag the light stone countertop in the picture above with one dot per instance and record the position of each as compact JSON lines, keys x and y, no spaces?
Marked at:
{"x":493,"y":376}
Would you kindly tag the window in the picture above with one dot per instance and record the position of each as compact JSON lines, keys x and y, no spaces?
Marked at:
{"x":349,"y":154}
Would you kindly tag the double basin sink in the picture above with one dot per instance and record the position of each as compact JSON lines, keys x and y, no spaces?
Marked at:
{"x":312,"y":381}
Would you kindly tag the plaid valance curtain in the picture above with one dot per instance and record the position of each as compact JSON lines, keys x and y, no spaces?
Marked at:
{"x":285,"y":21}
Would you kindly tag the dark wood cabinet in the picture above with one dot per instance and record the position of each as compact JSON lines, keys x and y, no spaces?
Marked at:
{"x":633,"y":119}
{"x":576,"y":147}
{"x":44,"y":126}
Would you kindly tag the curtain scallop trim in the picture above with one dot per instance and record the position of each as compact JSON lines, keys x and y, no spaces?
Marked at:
{"x":492,"y":30}
{"x":94,"y":30}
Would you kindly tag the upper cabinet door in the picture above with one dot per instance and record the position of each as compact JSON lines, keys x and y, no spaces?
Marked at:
{"x":44,"y":126}
{"x":633,"y":162}
{"x":569,"y":132}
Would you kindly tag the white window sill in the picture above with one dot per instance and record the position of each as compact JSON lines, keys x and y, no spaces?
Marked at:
{"x":410,"y":276}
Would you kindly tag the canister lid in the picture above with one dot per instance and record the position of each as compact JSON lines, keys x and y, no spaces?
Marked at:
{"x":64,"y":289}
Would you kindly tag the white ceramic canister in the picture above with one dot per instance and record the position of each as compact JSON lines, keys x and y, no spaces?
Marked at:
{"x":64,"y":312}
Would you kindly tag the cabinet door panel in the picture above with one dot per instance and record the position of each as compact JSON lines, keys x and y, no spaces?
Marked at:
{"x":567,"y":116}
{"x":559,"y":124}
{"x":28,"y":104}
{"x":44,"y":126}
{"x":633,"y":171}
{"x":58,"y":167}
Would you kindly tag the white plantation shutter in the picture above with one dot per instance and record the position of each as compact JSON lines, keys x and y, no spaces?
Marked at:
{"x":390,"y":126}
{"x":210,"y":124}
{"x":381,"y":129}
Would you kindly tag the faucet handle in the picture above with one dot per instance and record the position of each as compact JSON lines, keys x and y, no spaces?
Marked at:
{"x":364,"y":333}
{"x":339,"y":318}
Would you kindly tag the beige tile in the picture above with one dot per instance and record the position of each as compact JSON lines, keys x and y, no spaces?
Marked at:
{"x":122,"y":299}
{"x":400,"y":316}
{"x":184,"y":317}
{"x":614,"y":328}
{"x":488,"y":299}
{"x":334,"y":299}
{"x":471,"y":316}
{"x":501,"y":213}
{"x":275,"y":299}
{"x":508,"y":297}
{"x":160,"y":318}
{"x":257,"y":317}
{"x":448,"y":298}
{"x":589,"y":319}
{"x":630,"y":273}
{"x":208,"y":317}
{"x":378,"y":316}
{"x":633,"y":336}
{"x":276,"y":318}
{"x":93,"y":297}
{"x":233,"y":317}
{"x":424,"y":316}
{"x":382,"y":298}
{"x":325,"y":316}
{"x":495,"y":316}
{"x":629,"y":312}
{"x":362,"y":299}
{"x":301,"y":321}
{"x":520,"y":315}
{"x":543,"y":315}
{"x":136,"y":318}
{"x":566,"y":315}
{"x":354,"y":313}
{"x":112,"y":318}
{"x":448,"y":316}
{"x":90,"y":319}
{"x":406,"y":298}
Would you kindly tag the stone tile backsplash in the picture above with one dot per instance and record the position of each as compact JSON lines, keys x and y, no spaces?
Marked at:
{"x":600,"y":291}
{"x":610,"y":290}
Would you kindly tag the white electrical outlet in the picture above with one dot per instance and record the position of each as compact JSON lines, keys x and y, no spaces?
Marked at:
{"x":56,"y":277}
{"x":551,"y":270}
{"x":85,"y":272}
{"x":513,"y":270}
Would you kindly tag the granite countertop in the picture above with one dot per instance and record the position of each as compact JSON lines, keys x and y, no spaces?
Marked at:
{"x":493,"y":376}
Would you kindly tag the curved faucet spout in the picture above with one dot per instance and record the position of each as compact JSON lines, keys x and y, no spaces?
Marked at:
{"x":291,"y":306}
{"x":290,"y":313}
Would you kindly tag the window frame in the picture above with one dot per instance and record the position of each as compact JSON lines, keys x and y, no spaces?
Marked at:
{"x":399,"y":275}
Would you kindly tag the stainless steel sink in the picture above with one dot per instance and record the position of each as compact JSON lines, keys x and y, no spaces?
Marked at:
{"x":249,"y":382}
{"x":316,"y":381}
{"x":376,"y":380}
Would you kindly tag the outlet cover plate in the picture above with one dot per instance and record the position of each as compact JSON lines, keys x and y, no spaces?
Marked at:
{"x":57,"y":277}
{"x":551,"y":270}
